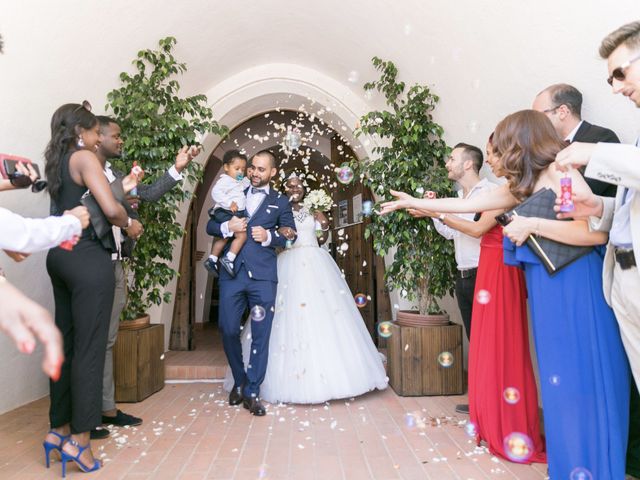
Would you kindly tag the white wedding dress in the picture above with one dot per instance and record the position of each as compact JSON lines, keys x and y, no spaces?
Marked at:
{"x":319,"y":348}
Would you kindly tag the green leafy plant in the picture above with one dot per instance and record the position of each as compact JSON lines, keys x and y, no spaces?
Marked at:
{"x":156,"y":122}
{"x":411,"y":159}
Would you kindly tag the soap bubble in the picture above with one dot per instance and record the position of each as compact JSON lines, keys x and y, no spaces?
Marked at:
{"x":361,"y":300}
{"x":580,"y":473}
{"x":367,"y":208}
{"x":258,"y":313}
{"x":511,"y":395}
{"x":518,"y":447}
{"x":471,"y":429}
{"x":384,"y":329}
{"x":445,"y":359}
{"x":554,"y":380}
{"x":345,"y":174}
{"x":483,"y":297}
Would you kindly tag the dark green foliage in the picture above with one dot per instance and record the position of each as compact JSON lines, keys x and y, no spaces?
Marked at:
{"x":156,"y":123}
{"x":412,"y":161}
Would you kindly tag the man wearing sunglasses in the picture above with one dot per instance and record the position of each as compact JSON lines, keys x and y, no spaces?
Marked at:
{"x":562,"y":104}
{"x":619,"y":165}
{"x":111,"y":147}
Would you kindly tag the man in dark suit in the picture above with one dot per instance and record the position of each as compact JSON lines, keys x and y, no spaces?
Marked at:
{"x":122,"y":242}
{"x":562,"y":104}
{"x":256,"y":279}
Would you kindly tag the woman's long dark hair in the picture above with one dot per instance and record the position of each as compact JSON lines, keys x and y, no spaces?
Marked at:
{"x":526,"y":143}
{"x":65,"y":125}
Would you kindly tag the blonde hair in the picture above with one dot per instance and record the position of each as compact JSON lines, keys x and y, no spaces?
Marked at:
{"x":628,"y":35}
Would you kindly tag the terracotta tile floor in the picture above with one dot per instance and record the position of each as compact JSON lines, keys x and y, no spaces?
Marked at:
{"x":189,"y":432}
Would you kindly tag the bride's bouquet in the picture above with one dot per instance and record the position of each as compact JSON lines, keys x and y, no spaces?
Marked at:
{"x":317,"y":201}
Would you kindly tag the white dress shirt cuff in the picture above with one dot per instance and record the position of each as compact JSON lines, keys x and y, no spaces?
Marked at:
{"x":175,"y":174}
{"x":267,"y":242}
{"x":224,"y":229}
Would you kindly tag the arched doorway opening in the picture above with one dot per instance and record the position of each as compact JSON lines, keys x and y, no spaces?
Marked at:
{"x":321,"y":149}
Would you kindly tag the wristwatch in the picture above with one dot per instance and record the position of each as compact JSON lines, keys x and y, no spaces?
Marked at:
{"x":129,"y":222}
{"x":441,"y":217}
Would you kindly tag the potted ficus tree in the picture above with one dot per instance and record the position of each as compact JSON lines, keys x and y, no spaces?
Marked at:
{"x":156,"y":122}
{"x":410,"y":158}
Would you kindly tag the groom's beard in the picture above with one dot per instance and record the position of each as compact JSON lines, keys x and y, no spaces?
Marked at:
{"x":261,"y":183}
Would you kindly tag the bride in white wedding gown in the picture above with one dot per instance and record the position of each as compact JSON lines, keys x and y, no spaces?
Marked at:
{"x":319,"y":348}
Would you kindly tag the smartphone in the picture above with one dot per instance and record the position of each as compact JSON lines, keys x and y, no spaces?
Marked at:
{"x":8,"y":164}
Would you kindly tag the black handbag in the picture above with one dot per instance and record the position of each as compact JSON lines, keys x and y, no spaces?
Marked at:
{"x":99,"y":222}
{"x":553,"y":255}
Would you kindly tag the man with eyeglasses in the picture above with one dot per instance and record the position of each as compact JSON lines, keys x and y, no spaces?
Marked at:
{"x":619,"y":165}
{"x":562,"y":104}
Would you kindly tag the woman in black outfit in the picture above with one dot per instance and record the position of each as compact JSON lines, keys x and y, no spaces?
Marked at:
{"x":83,"y":284}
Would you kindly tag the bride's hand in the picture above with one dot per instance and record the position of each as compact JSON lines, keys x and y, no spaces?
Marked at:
{"x":404,"y":200}
{"x":287,"y":232}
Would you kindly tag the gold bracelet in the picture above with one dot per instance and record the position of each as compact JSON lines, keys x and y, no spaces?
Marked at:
{"x":537,"y":231}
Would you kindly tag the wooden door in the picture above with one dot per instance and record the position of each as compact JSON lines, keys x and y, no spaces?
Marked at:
{"x":181,"y":337}
{"x":363,"y":269}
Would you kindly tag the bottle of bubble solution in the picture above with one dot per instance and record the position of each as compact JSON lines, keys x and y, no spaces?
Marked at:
{"x":566,"y":194}
{"x":135,"y":169}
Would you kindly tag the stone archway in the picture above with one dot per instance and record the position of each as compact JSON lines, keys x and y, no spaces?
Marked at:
{"x":261,"y":89}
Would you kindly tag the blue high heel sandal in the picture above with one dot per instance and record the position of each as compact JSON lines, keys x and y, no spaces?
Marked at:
{"x":76,"y":459}
{"x":48,"y":446}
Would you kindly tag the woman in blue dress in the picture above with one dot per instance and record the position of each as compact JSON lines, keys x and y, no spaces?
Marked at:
{"x":584,"y":372}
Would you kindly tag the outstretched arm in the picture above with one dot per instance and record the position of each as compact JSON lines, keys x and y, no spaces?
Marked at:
{"x":474,"y":229}
{"x":495,"y":199}
{"x":28,"y":235}
{"x":154,"y":191}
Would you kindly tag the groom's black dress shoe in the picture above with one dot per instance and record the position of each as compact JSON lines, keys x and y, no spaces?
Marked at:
{"x":254,"y":406}
{"x":235,"y":396}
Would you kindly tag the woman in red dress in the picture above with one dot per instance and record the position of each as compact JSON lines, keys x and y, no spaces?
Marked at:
{"x":503,"y":398}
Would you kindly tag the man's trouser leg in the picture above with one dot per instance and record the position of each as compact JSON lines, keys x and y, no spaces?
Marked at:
{"x":626,"y":306}
{"x":119,"y":300}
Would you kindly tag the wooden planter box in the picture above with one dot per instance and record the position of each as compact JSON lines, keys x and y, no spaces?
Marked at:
{"x":138,"y":363}
{"x":413,"y":362}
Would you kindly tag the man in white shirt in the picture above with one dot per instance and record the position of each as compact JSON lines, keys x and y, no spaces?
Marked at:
{"x":618,"y":165}
{"x":111,"y":147}
{"x":464,"y":166}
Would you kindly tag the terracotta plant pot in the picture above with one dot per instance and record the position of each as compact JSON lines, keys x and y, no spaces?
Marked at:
{"x":136,"y":324}
{"x":411,"y":318}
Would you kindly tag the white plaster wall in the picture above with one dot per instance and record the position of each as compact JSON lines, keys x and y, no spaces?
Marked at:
{"x":484,"y":59}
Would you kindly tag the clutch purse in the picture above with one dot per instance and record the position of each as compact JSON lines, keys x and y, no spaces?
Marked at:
{"x":553,"y":255}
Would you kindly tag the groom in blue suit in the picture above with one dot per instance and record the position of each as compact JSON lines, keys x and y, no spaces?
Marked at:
{"x":255,"y":281}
